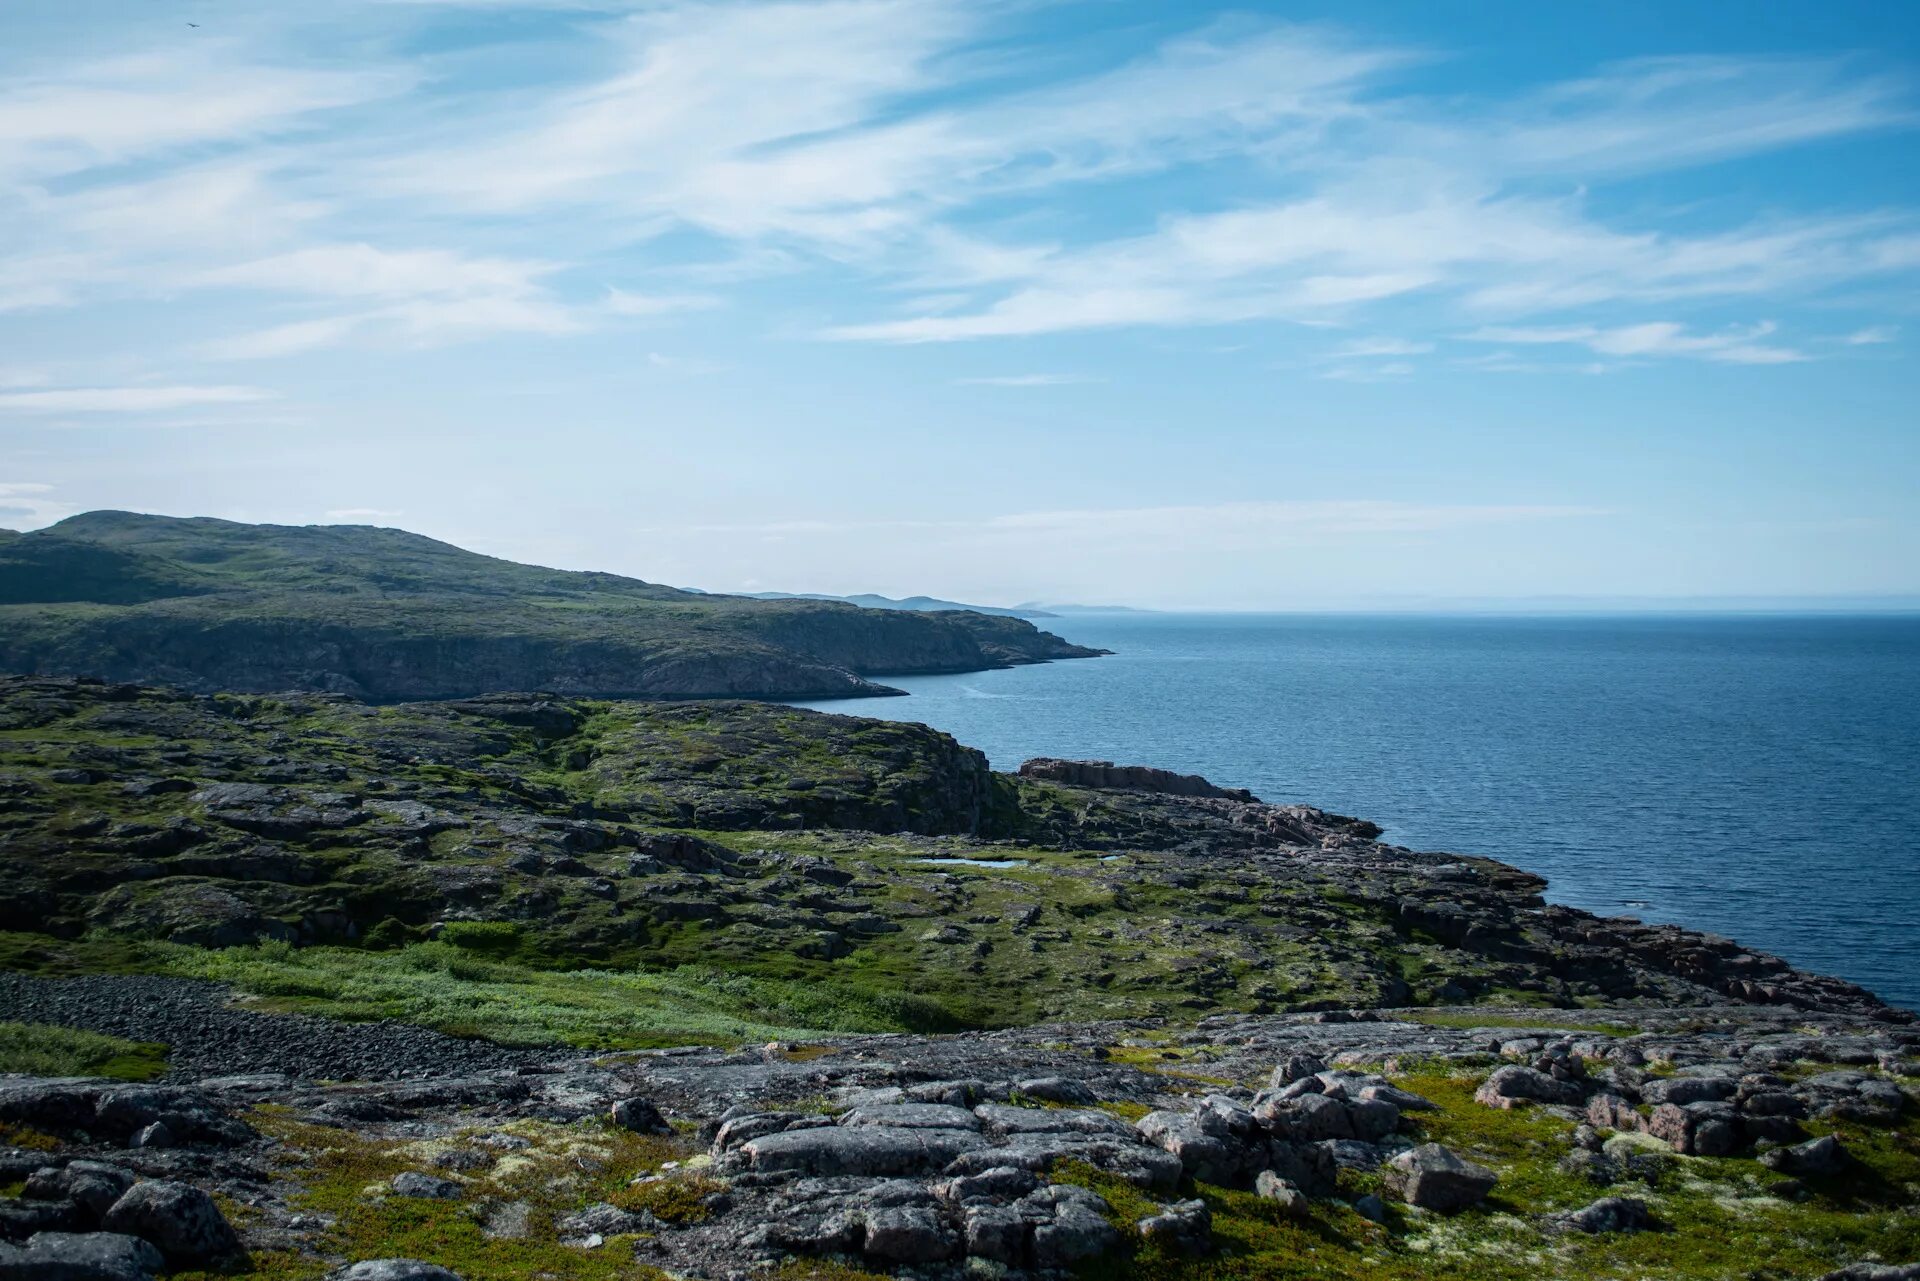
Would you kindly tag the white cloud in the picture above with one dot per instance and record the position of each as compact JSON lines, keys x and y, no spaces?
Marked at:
{"x":1738,"y":346}
{"x":907,"y":151}
{"x":1872,"y":335}
{"x":115,"y":109}
{"x":28,"y":505}
{"x":125,"y":400}
{"x":1365,"y":348}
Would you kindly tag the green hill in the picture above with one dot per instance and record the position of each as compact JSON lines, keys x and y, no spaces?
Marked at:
{"x":385,"y":614}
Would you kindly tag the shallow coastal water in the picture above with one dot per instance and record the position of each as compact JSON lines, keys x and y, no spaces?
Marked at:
{"x":1757,"y":777}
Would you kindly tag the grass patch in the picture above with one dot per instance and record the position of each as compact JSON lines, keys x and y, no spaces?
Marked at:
{"x":38,"y":1049}
{"x":459,"y":991}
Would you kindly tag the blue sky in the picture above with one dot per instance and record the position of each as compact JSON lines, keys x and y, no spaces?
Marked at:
{"x":1271,"y":306}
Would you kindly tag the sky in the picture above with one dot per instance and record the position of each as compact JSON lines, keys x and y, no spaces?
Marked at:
{"x":1273,"y":306}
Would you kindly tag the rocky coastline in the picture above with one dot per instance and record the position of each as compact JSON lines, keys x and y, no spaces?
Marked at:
{"x":536,"y":986}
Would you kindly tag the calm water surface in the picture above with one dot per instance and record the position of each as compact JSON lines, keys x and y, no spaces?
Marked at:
{"x":1753,"y":776}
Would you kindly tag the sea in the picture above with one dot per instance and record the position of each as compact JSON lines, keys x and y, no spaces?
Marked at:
{"x":1752,"y":776}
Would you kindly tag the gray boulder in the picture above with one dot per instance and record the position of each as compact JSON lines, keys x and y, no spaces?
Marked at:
{"x":1818,"y":1157}
{"x":1513,"y":1085}
{"x":640,"y":1116}
{"x":1435,"y":1178}
{"x":1608,"y":1214}
{"x":1185,"y":1226}
{"x":1283,"y":1193}
{"x":92,"y":1185}
{"x":429,"y":1187}
{"x":81,"y":1256}
{"x":179,"y":1218}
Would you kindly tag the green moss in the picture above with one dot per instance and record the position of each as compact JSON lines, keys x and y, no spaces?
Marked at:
{"x":344,"y":1176}
{"x":670,"y":1198}
{"x":37,"y":1049}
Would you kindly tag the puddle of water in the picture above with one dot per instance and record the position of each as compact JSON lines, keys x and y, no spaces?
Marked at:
{"x":977,"y":862}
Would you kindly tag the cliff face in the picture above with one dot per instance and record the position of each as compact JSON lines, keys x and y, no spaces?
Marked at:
{"x":386,"y":615}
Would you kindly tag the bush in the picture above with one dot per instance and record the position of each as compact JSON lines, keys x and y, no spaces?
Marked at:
{"x":39,"y":1049}
{"x":389,"y":935}
{"x":489,"y":938}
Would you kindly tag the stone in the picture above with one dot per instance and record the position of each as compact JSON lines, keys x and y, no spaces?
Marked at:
{"x":1285,"y":1195}
{"x":1297,"y":1068}
{"x":1608,"y":1111}
{"x":1371,"y":1207}
{"x":1002,"y":1182}
{"x":995,"y":1232}
{"x":1818,"y":1157}
{"x":1683,"y":1090}
{"x":1185,"y":1226}
{"x":1595,"y":1167}
{"x":393,"y":1270}
{"x":915,"y":1116}
{"x":1058,"y":1089}
{"x":639,"y":1116}
{"x":1608,"y":1214}
{"x":869,"y":1150}
{"x":1078,"y":1230}
{"x":1308,"y":1118}
{"x":603,"y":1220}
{"x":1512,"y":1085}
{"x":909,"y":1234}
{"x":413,"y":1183}
{"x":92,"y":1185}
{"x":20,"y":1219}
{"x":1697,"y":1129}
{"x":178,"y":1218}
{"x":1405,"y":1100}
{"x":1876,"y":1272}
{"x":156,"y":1135}
{"x":1436,"y":1178}
{"x":1373,"y":1119}
{"x":81,"y":1256}
{"x":1204,"y":1157}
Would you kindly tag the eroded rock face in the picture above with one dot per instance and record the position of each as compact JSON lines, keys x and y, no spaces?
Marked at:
{"x":1138,"y":778}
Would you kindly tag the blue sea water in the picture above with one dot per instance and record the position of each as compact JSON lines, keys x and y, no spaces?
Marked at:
{"x":1757,"y":777}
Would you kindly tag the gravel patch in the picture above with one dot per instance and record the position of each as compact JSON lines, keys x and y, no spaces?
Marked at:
{"x":207,"y":1037}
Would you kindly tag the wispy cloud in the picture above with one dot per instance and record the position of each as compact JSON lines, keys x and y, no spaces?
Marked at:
{"x":1872,"y":335}
{"x":905,"y":158}
{"x":125,"y":400}
{"x":1656,"y":338}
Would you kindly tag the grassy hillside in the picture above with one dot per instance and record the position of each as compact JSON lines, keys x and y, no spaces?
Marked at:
{"x":385,"y":614}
